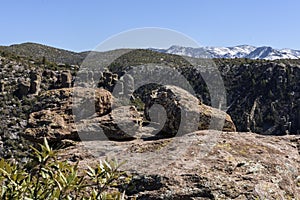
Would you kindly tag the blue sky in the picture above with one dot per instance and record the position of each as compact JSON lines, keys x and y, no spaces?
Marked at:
{"x":82,"y":25}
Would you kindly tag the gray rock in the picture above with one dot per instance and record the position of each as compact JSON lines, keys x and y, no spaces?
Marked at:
{"x":184,"y":113}
{"x":236,"y":166}
{"x":35,"y":83}
{"x":23,"y":88}
{"x":66,"y":79}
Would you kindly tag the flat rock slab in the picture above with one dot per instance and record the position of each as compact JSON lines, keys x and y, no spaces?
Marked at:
{"x":204,"y":164}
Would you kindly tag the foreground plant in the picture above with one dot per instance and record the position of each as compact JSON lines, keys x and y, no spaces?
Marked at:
{"x":47,"y":178}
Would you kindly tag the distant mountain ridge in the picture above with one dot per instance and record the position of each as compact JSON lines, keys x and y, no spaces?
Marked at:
{"x":241,"y":51}
{"x":39,"y":51}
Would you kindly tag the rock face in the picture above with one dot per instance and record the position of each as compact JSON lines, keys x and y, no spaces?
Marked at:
{"x":54,"y":118}
{"x":66,"y":79}
{"x":205,"y":165}
{"x":184,"y":113}
{"x":35,"y":82}
{"x":49,"y":124}
{"x":120,"y":125}
{"x":23,"y":89}
{"x":94,"y":117}
{"x":263,"y":97}
{"x":108,"y":80}
{"x":57,"y":111}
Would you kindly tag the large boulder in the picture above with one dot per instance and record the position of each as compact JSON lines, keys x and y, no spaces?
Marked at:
{"x":81,"y":114}
{"x":121,"y":124}
{"x":50,"y":124}
{"x":183,"y":113}
{"x":54,"y":117}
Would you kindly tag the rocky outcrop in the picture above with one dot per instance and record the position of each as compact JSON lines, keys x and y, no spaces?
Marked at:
{"x":91,"y":114}
{"x":272,"y":86}
{"x":87,"y":117}
{"x":47,"y":79}
{"x":22,"y":88}
{"x":184,"y":113}
{"x":204,"y":165}
{"x":50,"y":124}
{"x":120,"y":125}
{"x":263,"y":97}
{"x":108,"y":80}
{"x":66,"y":79}
{"x":35,"y":83}
{"x":54,"y":118}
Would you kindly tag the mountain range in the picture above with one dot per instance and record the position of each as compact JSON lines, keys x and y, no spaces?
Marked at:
{"x":38,"y":51}
{"x":241,"y":51}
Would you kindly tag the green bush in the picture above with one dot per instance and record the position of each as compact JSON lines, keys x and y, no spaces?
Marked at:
{"x":45,"y":177}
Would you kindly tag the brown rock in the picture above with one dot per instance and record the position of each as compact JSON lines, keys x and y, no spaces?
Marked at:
{"x":205,"y":165}
{"x":35,"y":83}
{"x":55,"y":120}
{"x":120,"y":125}
{"x":49,"y":124}
{"x":88,"y":101}
{"x":66,"y":79}
{"x":184,"y":113}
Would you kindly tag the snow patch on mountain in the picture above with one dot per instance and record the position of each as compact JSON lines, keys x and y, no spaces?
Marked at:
{"x":241,"y":51}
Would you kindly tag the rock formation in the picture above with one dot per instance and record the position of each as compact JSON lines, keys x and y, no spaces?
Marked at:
{"x":35,"y":82}
{"x":121,"y":125}
{"x":23,"y":88}
{"x":204,"y":165}
{"x":66,"y":79}
{"x":108,"y":80}
{"x":184,"y":113}
{"x":53,"y":118}
{"x":95,"y":118}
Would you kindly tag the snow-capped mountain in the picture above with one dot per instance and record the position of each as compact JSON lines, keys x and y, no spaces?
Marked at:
{"x":242,"y":51}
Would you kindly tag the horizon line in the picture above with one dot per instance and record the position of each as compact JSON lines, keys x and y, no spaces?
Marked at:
{"x":207,"y":46}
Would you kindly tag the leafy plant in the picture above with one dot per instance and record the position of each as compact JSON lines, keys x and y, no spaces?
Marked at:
{"x":45,"y":177}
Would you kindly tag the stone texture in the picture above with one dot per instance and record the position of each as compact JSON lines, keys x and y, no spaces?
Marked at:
{"x":66,"y":79}
{"x":35,"y":82}
{"x":54,"y":119}
{"x":184,"y":113}
{"x":108,"y":80}
{"x":23,"y":89}
{"x":95,"y":118}
{"x":204,"y":165}
{"x":49,"y":124}
{"x":122,"y":124}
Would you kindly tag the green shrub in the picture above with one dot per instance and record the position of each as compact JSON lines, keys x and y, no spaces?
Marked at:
{"x":45,"y":177}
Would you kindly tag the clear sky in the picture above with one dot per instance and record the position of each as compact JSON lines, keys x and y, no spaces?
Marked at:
{"x":83,"y":24}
